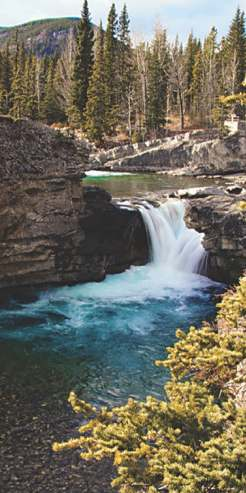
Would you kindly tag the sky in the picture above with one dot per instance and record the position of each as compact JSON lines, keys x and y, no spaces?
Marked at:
{"x":178,"y":16}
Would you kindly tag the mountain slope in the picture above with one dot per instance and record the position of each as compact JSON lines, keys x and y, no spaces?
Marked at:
{"x":46,"y":37}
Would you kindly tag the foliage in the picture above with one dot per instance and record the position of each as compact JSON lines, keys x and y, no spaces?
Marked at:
{"x":111,"y":73}
{"x":51,"y":110}
{"x":126,"y":71}
{"x":197,"y":86}
{"x":82,"y":68}
{"x":158,"y":63}
{"x":95,"y":109}
{"x":235,"y":52}
{"x":146,"y":85}
{"x":233,"y":305}
{"x":242,"y":205}
{"x":192,"y":441}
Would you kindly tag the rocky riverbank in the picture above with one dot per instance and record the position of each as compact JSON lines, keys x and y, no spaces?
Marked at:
{"x":192,"y":153}
{"x":54,"y":231}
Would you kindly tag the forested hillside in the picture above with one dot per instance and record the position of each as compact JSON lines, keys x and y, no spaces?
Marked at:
{"x":108,"y":85}
{"x":44,"y":37}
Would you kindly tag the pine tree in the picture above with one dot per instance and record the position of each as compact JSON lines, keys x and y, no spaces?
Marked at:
{"x":95,"y":109}
{"x":197,"y":87}
{"x":82,"y":68}
{"x":190,"y":54}
{"x":18,"y":83}
{"x":30,"y":88}
{"x":51,"y":110}
{"x":157,"y":82}
{"x":236,"y":52}
{"x":141,"y":62}
{"x":42,"y":67}
{"x":65,"y":72}
{"x":125,"y":70}
{"x":5,"y":81}
{"x":210,"y":74}
{"x":178,"y":79}
{"x":222,"y":67}
{"x":111,"y":72}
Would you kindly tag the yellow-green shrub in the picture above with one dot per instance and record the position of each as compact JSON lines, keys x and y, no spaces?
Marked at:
{"x":193,"y":441}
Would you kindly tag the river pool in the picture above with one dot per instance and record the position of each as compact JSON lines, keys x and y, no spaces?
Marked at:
{"x":135,"y":185}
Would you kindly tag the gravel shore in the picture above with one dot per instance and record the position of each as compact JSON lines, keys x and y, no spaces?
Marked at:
{"x":28,"y":426}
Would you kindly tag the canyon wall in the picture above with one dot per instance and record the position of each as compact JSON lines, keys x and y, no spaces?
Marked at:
{"x":222,"y":219}
{"x":52,"y":231}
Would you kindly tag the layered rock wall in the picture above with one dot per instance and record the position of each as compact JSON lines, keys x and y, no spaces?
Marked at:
{"x":190,"y":153}
{"x":52,"y":231}
{"x":222,"y":219}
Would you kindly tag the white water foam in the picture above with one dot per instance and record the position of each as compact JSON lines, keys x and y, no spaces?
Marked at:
{"x":172,"y":244}
{"x":98,"y":174}
{"x":173,"y":270}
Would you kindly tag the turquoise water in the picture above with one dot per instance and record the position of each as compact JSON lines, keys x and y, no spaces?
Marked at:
{"x":100,"y":339}
{"x":130,"y":185}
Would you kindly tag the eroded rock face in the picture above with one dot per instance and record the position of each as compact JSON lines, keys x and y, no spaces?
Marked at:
{"x":172,"y":152}
{"x":192,"y":153}
{"x":115,"y":237}
{"x":39,"y":237}
{"x":219,"y":156}
{"x":223,"y":223}
{"x":51,"y":230}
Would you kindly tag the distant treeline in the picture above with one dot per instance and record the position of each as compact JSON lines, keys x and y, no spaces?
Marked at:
{"x":106,"y":84}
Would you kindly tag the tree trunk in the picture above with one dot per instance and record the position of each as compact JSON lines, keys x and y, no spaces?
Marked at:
{"x":181,"y":108}
{"x":129,"y":116}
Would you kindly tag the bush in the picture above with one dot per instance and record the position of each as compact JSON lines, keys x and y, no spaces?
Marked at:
{"x":194,"y":440}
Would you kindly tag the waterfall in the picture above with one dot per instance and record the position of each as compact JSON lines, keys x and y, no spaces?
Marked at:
{"x":172,"y":245}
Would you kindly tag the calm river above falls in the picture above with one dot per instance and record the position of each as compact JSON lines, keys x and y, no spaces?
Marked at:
{"x":135,"y":185}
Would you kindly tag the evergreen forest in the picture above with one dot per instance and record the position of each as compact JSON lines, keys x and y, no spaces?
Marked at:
{"x":107,"y":83}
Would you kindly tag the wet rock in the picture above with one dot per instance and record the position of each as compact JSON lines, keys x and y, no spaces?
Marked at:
{"x":234,"y":189}
{"x":197,"y":193}
{"x":223,"y":223}
{"x":115,"y":237}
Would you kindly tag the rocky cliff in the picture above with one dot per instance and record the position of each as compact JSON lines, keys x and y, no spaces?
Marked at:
{"x":219,"y":156}
{"x":52,"y":230}
{"x":195,"y":153}
{"x":222,"y":219}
